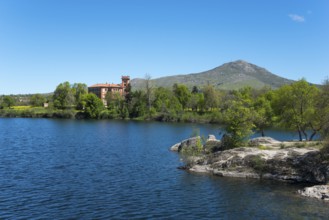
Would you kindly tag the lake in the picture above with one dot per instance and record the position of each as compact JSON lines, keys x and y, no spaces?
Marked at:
{"x":71,"y":169}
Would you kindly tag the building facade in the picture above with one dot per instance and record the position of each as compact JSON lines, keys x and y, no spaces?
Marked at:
{"x":101,"y":89}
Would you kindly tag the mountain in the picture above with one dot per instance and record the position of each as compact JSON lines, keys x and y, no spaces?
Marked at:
{"x":229,"y":76}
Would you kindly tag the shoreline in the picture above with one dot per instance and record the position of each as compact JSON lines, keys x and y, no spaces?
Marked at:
{"x":266,"y":159}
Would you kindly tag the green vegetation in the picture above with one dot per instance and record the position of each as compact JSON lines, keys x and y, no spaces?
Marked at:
{"x":37,"y":100}
{"x":7,"y":102}
{"x":192,"y":153}
{"x":299,"y":106}
{"x":92,"y":105}
{"x":296,"y":106}
{"x":258,"y":164}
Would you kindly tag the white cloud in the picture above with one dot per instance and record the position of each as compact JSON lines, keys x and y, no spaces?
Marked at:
{"x":297,"y":18}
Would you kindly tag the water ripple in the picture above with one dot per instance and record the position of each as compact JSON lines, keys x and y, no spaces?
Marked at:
{"x":63,"y":169}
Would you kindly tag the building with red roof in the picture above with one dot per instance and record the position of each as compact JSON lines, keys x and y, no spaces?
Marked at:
{"x":101,"y":89}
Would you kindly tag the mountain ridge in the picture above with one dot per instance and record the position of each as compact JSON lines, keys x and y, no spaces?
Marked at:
{"x":228,"y":76}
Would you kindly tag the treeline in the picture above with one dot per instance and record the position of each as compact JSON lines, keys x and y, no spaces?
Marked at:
{"x":300,"y":106}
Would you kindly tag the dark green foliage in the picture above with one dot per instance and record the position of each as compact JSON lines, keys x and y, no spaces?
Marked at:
{"x":195,"y":90}
{"x":191,"y":153}
{"x":211,"y":97}
{"x":78,"y":90}
{"x":264,"y":115}
{"x":229,"y":142}
{"x":212,"y":146}
{"x":299,"y":106}
{"x":239,"y":124}
{"x":128,"y":94}
{"x":295,"y":106}
{"x":7,"y":101}
{"x":92,"y":105}
{"x":182,"y":93}
{"x":138,"y":105}
{"x":325,"y":151}
{"x":63,"y":96}
{"x":37,"y":100}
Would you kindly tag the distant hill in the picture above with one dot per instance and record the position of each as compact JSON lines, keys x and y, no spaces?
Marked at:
{"x":229,"y":76}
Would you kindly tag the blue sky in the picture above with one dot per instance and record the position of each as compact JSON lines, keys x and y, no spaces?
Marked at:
{"x":46,"y":42}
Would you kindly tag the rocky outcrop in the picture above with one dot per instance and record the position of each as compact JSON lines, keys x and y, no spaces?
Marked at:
{"x":266,"y":141}
{"x":188,"y":143}
{"x":267,"y":158}
{"x":212,"y":144}
{"x":211,"y":137}
{"x":318,"y":192}
{"x":292,"y":164}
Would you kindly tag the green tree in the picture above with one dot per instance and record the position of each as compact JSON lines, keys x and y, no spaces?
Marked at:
{"x":196,"y":102}
{"x":117,"y":105}
{"x":8,"y":101}
{"x":162,"y":98}
{"x":264,"y":115}
{"x":320,"y":120}
{"x":92,"y":105}
{"x":167,"y":104}
{"x":182,"y":93}
{"x":295,"y":106}
{"x":211,"y":97}
{"x":195,"y":90}
{"x":238,"y":120}
{"x":78,"y":90}
{"x":128,"y":94}
{"x":37,"y":100}
{"x":138,"y":104}
{"x":148,"y":92}
{"x":63,"y":96}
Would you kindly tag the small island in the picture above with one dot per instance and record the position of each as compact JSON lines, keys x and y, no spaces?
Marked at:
{"x":262,"y":158}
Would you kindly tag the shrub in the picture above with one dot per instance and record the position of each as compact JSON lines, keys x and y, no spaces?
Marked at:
{"x":67,"y":114}
{"x":325,"y":151}
{"x":230,"y":141}
{"x":299,"y":145}
{"x":191,"y":153}
{"x":258,"y":164}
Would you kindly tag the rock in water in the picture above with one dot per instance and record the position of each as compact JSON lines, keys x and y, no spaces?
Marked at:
{"x":319,"y":192}
{"x":188,"y":143}
{"x":175,"y":147}
{"x":211,"y":137}
{"x":293,"y":164}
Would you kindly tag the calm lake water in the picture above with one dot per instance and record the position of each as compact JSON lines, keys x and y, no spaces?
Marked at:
{"x":69,"y":169}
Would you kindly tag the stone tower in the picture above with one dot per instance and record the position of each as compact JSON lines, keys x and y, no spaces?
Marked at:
{"x":125,"y":81}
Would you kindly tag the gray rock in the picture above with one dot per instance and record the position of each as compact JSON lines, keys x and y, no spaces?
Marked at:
{"x":211,"y":137}
{"x":175,"y":147}
{"x":188,"y":143}
{"x":318,"y":192}
{"x":287,"y":164}
{"x":293,"y":164}
{"x":267,"y":141}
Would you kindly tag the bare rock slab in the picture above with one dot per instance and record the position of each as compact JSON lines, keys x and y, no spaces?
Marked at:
{"x":318,"y":192}
{"x":188,"y":143}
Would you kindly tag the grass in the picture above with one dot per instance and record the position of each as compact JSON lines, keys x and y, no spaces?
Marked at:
{"x":36,"y":112}
{"x":25,"y":107}
{"x":262,"y":147}
{"x":302,"y":144}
